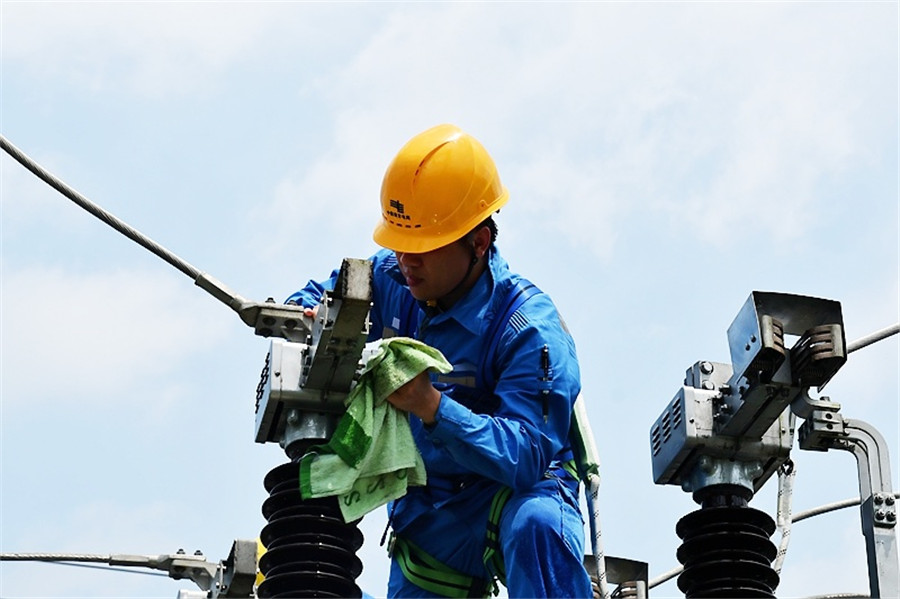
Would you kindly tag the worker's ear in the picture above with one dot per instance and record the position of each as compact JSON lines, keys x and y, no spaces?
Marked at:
{"x":481,"y":241}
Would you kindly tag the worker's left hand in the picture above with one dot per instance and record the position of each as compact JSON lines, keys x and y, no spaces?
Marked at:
{"x":419,"y":397}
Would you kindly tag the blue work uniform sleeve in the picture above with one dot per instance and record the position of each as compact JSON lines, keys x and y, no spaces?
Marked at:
{"x":311,"y":294}
{"x":536,"y":388}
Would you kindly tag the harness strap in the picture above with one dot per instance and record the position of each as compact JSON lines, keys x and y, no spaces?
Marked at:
{"x":493,"y":557}
{"x":572,"y":468}
{"x":434,"y":576}
{"x":518,"y":295}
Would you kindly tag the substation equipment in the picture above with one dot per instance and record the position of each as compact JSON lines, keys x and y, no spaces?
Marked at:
{"x":729,"y":428}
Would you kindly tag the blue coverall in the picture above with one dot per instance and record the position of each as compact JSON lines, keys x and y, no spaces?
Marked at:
{"x":515,"y":436}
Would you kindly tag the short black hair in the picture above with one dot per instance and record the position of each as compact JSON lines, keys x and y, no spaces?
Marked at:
{"x":490,"y":224}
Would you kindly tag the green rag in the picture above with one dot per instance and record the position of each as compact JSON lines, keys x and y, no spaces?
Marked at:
{"x":372,"y":458}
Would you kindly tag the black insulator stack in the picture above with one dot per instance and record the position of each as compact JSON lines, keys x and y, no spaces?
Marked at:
{"x":726,"y":552}
{"x":310,"y":550}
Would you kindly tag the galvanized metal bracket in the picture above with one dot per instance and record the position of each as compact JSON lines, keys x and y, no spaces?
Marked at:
{"x":827,"y":429}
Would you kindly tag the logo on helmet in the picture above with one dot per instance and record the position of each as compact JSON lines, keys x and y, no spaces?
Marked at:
{"x":397,"y":211}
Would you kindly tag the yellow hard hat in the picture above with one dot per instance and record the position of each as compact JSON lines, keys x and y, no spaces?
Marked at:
{"x":440,"y":185}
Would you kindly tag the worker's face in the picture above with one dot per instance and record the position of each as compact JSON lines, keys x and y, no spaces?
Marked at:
{"x":433,"y":275}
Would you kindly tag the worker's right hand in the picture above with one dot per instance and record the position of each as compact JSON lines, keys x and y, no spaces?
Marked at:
{"x":419,"y":397}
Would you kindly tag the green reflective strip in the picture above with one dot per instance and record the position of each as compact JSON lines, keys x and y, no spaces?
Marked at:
{"x":429,"y":574}
{"x":435,"y":577}
{"x":572,"y":468}
{"x":493,"y":559}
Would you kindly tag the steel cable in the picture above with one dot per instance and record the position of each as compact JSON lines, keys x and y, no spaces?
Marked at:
{"x":97,"y":211}
{"x":54,"y":557}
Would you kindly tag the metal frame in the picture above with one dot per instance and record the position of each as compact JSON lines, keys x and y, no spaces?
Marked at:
{"x":826,"y":429}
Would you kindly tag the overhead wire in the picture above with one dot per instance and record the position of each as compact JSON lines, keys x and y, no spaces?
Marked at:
{"x":105,"y":216}
{"x":54,"y":557}
{"x":109,"y":568}
{"x":82,"y":560}
{"x":873,"y":338}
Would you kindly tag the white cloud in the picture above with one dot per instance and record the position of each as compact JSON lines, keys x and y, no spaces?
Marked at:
{"x":151,"y":49}
{"x":733,"y":115}
{"x":98,"y":333}
{"x":337,"y":193}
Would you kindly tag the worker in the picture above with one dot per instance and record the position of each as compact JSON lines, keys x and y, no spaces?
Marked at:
{"x":501,"y":501}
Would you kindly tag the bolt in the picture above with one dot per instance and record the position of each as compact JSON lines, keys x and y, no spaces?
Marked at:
{"x":879,"y":515}
{"x":754,"y":470}
{"x":889,"y":500}
{"x":706,"y":367}
{"x":709,"y":385}
{"x":878,"y":499}
{"x":891,"y":517}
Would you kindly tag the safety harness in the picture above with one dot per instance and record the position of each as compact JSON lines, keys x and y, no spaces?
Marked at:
{"x":417,"y":566}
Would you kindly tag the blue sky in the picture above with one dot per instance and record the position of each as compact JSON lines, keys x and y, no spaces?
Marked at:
{"x":664,"y":160}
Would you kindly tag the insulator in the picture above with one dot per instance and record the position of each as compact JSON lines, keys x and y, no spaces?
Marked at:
{"x":310,"y":550}
{"x":727,"y":553}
